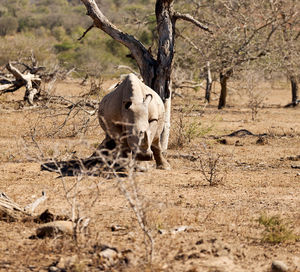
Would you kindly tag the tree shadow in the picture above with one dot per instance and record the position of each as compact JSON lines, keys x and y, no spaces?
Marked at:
{"x":103,"y":162}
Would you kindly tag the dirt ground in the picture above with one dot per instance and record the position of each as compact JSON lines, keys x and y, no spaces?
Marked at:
{"x":195,"y":226}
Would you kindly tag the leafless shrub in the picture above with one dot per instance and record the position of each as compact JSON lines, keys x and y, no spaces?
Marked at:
{"x":96,"y":87}
{"x":211,"y":166}
{"x":255,"y":102}
{"x":254,"y":95}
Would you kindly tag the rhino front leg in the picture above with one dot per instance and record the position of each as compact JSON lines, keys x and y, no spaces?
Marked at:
{"x":161,"y":162}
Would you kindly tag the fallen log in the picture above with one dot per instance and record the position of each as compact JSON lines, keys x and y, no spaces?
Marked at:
{"x":10,"y":211}
{"x":31,"y":82}
{"x":30,"y":78}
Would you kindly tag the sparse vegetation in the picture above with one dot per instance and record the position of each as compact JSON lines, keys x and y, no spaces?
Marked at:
{"x":211,"y":166}
{"x":249,"y":83}
{"x":277,"y":230}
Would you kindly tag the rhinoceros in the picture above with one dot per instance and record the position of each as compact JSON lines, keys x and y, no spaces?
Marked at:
{"x":132,"y":115}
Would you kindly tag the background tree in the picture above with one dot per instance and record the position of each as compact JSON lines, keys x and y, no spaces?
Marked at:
{"x":286,"y":48}
{"x":242,"y":33}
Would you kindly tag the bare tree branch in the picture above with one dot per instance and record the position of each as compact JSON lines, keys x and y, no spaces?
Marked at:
{"x":191,"y":19}
{"x":138,"y":51}
{"x":85,"y":32}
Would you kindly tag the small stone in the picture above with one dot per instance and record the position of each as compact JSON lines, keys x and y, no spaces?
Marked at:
{"x":110,"y":256}
{"x":117,"y":228}
{"x":53,"y":269}
{"x":66,"y":263}
{"x":279,"y":266}
{"x":261,"y":140}
{"x":179,"y":229}
{"x":199,"y":242}
{"x":238,"y":143}
{"x":223,"y":141}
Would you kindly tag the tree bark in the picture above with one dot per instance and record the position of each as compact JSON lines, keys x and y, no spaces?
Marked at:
{"x":208,"y":83}
{"x":223,"y":94}
{"x":161,"y":83}
{"x":294,"y":87}
{"x":224,"y":76}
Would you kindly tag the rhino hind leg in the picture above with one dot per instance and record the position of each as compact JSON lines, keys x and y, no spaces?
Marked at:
{"x":161,"y":162}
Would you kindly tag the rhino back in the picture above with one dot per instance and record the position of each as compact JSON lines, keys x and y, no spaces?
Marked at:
{"x":110,"y":106}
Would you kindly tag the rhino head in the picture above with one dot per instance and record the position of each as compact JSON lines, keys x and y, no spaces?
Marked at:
{"x":135,"y":115}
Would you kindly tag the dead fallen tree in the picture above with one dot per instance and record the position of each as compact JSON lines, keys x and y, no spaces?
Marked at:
{"x":27,"y":74}
{"x":32,"y":83}
{"x":11,"y":211}
{"x":30,"y":78}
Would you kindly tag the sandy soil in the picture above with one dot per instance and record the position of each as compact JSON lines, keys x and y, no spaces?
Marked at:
{"x":195,"y":226}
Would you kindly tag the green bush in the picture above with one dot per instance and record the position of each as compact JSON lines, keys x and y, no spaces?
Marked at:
{"x":8,"y":25}
{"x":64,"y":46}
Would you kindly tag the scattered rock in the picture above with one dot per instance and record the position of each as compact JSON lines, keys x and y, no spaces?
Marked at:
{"x":194,"y":255}
{"x":293,"y":158}
{"x":279,"y":266}
{"x":111,"y":257}
{"x":54,"y":228}
{"x":117,"y":228}
{"x":65,"y":263}
{"x":222,"y":141}
{"x":199,"y":242}
{"x":174,"y":230}
{"x":262,"y":140}
{"x":53,"y":269}
{"x":238,"y":143}
{"x":179,"y":257}
{"x":295,"y":166}
{"x":179,"y":229}
{"x":45,"y":217}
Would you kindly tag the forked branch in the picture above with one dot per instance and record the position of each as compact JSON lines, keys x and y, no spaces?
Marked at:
{"x":138,"y":51}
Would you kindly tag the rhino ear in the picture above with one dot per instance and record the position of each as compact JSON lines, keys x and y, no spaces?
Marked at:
{"x":148,"y":99}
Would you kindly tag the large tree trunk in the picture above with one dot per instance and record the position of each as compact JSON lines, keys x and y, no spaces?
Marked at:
{"x":294,"y":87}
{"x":224,"y":76}
{"x":161,"y":84}
{"x":223,"y":94}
